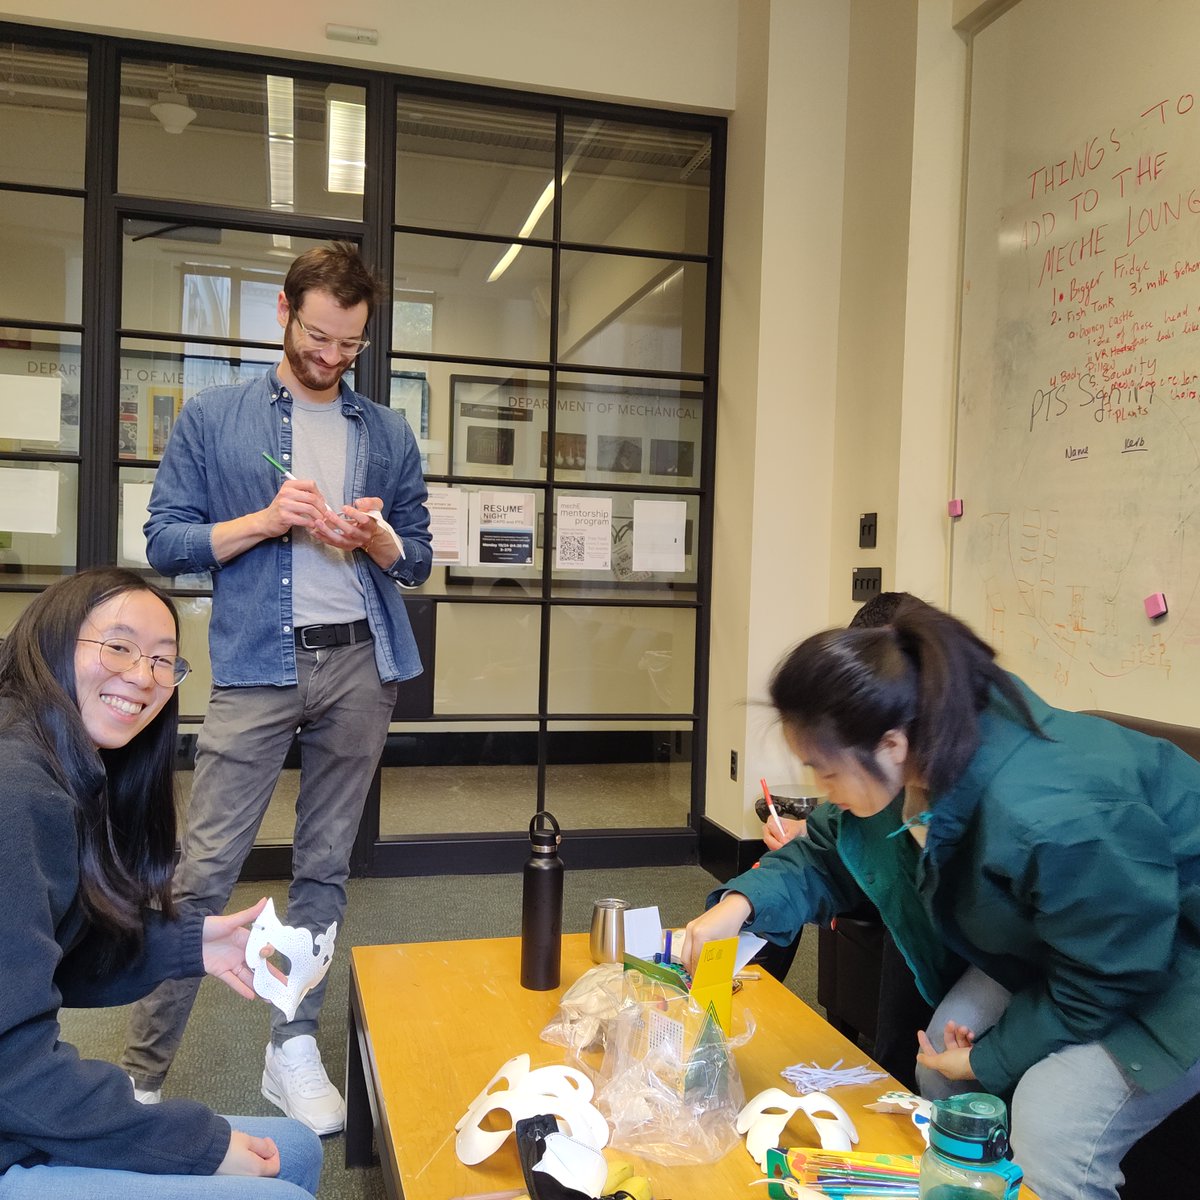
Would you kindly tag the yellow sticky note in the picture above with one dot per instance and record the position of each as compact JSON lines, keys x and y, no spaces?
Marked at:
{"x":712,"y":983}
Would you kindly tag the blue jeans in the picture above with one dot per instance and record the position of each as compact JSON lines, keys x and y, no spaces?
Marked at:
{"x":299,"y":1174}
{"x":1074,"y":1114}
{"x":342,"y":711}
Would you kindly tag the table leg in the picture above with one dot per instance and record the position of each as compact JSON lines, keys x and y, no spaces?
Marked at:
{"x":359,"y":1123}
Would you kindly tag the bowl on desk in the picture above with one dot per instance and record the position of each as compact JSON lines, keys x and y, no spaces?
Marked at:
{"x":791,"y":802}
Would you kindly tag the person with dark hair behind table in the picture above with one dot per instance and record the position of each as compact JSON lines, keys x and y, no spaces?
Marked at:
{"x":1057,"y":853}
{"x":88,"y":720}
{"x":308,"y":639}
{"x":902,"y":1010}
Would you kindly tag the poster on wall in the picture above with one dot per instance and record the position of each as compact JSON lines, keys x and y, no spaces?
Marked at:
{"x":165,"y":404}
{"x":128,"y":421}
{"x":502,"y":528}
{"x":583,"y":533}
{"x":447,"y":510}
{"x":603,"y":432}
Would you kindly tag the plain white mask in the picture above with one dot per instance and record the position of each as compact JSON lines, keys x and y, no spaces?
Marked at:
{"x":764,"y":1127}
{"x":308,"y":962}
{"x":560,"y":1091}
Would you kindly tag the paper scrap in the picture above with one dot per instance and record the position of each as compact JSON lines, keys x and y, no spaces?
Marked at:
{"x":135,"y":512}
{"x":659,"y":527}
{"x":643,"y":932}
{"x":29,"y":501}
{"x":31,"y":408}
{"x":808,"y":1077}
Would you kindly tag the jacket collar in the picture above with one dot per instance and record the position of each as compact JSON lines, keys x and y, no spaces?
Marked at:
{"x":350,"y":400}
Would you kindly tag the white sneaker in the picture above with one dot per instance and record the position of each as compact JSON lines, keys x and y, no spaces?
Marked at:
{"x":294,"y":1080}
{"x":146,"y":1095}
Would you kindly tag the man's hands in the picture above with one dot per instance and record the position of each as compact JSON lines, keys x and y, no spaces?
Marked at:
{"x":249,"y":1156}
{"x":724,"y":920}
{"x":955,"y":1061}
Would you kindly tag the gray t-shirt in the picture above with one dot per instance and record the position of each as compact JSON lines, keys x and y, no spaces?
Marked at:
{"x":325,"y":587}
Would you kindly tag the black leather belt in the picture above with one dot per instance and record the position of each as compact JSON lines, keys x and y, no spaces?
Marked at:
{"x":319,"y":637}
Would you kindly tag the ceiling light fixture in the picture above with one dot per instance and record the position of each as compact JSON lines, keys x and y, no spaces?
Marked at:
{"x":172,"y":110}
{"x":346,"y":131}
{"x":543,"y":202}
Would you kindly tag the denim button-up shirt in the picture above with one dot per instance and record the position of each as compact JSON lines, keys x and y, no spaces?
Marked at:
{"x":213,"y":470}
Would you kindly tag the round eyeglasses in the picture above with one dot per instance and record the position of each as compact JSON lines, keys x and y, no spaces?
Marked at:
{"x":322,"y":341}
{"x":118,"y":656}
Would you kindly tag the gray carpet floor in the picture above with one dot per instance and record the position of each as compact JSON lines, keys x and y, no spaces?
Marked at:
{"x":220,"y":1061}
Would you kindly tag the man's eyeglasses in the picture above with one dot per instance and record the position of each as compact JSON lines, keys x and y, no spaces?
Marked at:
{"x":118,"y":656}
{"x":351,"y":347}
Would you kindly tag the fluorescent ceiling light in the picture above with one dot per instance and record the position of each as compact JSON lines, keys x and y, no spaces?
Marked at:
{"x":535,"y":215}
{"x":281,"y":141}
{"x":542,"y":203}
{"x":346,"y":131}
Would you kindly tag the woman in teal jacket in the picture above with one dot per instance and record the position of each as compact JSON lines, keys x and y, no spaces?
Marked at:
{"x":1056,"y":854}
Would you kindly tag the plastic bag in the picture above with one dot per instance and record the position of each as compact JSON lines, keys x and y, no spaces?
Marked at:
{"x":587,"y":1007}
{"x":669,"y":1084}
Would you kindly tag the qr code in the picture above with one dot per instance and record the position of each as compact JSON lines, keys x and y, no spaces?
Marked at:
{"x":570,"y":548}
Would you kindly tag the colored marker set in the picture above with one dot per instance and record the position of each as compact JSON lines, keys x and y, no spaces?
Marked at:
{"x":842,"y":1173}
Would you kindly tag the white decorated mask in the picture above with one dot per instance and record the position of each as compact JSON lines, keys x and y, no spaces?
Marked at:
{"x":309,"y":959}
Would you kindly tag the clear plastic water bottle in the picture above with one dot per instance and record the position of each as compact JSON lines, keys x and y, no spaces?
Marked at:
{"x":541,"y":908}
{"x":969,"y":1156}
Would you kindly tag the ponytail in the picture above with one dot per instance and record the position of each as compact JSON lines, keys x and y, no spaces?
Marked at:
{"x":925,"y":673}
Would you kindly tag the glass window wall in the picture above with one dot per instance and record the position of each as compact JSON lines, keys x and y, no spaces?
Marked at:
{"x":544,"y":337}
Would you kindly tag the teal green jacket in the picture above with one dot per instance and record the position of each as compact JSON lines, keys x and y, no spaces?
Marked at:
{"x":1065,"y":867}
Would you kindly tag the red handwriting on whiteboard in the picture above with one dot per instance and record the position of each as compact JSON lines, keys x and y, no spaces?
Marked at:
{"x":1084,"y":159}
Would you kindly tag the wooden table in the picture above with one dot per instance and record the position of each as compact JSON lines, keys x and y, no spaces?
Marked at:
{"x":430,"y":1023}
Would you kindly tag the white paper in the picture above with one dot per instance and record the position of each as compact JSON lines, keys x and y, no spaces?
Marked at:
{"x":643,"y":932}
{"x":502,"y":528}
{"x":749,"y":944}
{"x":658,"y":532}
{"x":31,"y":407}
{"x":135,"y":512}
{"x":583,"y":533}
{"x":448,"y":524}
{"x":29,"y":501}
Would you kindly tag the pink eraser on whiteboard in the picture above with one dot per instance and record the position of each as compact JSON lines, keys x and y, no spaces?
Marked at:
{"x":954,"y":508}
{"x":1156,"y":605}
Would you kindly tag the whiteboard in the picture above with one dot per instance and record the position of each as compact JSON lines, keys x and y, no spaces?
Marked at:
{"x":1078,"y":403}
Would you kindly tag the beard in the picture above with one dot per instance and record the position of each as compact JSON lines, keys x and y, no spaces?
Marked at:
{"x":308,"y":369}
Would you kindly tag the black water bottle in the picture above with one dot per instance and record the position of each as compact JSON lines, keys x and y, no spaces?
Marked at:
{"x":541,"y":908}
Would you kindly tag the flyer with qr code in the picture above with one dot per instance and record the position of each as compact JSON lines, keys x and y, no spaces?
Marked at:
{"x":583,"y":537}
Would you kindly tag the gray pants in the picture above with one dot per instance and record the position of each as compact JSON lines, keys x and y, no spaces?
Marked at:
{"x":1073,"y":1115}
{"x":341,"y":712}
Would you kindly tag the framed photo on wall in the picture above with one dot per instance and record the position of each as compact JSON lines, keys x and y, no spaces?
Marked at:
{"x":604,"y":433}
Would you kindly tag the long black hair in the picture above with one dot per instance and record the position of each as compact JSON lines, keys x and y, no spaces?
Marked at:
{"x":124,"y":798}
{"x":924,"y":672}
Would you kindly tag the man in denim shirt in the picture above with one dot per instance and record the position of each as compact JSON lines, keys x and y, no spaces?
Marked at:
{"x":308,"y":632}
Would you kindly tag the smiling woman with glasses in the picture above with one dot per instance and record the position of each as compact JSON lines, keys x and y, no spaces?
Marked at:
{"x":89,"y":713}
{"x":118,"y":655}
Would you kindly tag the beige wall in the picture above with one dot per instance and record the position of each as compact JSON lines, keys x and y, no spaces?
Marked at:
{"x":839,"y":272}
{"x":670,"y":53}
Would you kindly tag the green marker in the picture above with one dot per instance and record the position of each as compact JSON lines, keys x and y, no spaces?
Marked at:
{"x":278,"y":466}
